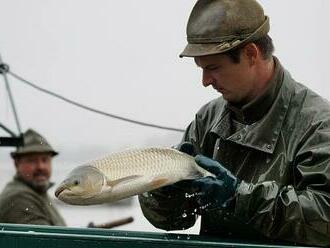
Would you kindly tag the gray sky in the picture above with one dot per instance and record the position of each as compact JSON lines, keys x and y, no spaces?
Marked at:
{"x":122,"y":57}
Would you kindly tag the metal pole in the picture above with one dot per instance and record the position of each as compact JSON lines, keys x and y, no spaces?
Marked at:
{"x":11,"y":97}
{"x":7,"y":130}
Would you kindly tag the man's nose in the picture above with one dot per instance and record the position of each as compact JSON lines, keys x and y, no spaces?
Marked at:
{"x":207,"y":79}
{"x":40,"y":164}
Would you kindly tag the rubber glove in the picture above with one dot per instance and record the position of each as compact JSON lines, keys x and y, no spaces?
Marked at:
{"x":187,"y":148}
{"x":214,"y":192}
{"x":168,"y":206}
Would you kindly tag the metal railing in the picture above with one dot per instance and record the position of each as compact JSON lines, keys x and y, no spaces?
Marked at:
{"x":14,"y":235}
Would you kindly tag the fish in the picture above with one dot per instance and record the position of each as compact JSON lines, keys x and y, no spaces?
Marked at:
{"x":127,"y":173}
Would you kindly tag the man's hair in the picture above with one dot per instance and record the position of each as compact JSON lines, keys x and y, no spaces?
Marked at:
{"x":265,"y":44}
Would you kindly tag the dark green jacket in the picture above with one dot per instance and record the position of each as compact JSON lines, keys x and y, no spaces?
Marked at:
{"x":20,"y":204}
{"x":283,"y":160}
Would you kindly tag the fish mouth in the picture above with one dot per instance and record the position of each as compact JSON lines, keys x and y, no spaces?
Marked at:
{"x":60,"y":190}
{"x":69,"y":193}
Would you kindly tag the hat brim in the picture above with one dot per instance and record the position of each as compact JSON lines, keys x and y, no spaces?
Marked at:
{"x":29,"y":151}
{"x":197,"y":50}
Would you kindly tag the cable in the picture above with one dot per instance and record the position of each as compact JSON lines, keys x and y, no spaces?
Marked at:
{"x":90,"y":108}
{"x":3,"y":70}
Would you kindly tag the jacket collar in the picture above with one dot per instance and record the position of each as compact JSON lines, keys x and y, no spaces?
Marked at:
{"x":263,"y":134}
{"x":256,"y":109}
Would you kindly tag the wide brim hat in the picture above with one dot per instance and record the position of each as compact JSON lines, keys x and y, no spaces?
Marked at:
{"x":33,"y":143}
{"x":218,"y":26}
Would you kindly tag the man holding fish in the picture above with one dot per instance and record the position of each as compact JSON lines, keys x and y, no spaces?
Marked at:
{"x":266,"y":140}
{"x":254,"y":163}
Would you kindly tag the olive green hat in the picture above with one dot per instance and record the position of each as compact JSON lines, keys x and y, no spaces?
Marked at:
{"x":217,"y":26}
{"x":33,"y":143}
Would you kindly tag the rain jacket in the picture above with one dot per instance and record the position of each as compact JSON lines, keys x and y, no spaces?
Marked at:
{"x":21,"y":204}
{"x":282,"y":158}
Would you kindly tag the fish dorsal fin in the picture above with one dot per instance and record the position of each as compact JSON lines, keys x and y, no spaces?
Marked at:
{"x":112,"y":183}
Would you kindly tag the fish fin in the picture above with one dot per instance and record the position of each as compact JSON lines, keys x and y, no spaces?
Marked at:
{"x":194,"y":174}
{"x":159,"y":182}
{"x":112,"y":183}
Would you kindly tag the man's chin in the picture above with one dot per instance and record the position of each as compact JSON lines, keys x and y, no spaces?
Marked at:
{"x":228,"y":98}
{"x":234,"y":101}
{"x":41,"y":186}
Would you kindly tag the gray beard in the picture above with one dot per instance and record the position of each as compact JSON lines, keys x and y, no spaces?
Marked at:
{"x":40,"y":188}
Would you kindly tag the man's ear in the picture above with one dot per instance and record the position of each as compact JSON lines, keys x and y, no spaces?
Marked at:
{"x":252,"y":52}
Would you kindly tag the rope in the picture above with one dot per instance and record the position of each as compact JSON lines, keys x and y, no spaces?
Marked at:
{"x":90,"y":108}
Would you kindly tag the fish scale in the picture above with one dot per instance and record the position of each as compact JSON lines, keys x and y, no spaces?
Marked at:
{"x":127,"y":173}
{"x":137,"y":160}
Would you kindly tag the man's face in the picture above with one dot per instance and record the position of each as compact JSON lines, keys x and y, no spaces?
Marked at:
{"x":35,"y":168}
{"x":235,"y":81}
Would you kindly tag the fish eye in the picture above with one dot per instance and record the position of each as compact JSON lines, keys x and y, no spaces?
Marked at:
{"x":75,"y":182}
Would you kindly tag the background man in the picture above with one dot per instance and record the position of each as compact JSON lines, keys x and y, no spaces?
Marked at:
{"x":266,"y":139}
{"x":25,"y":200}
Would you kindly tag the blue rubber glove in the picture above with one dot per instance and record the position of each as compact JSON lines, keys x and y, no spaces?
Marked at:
{"x":214,"y":192}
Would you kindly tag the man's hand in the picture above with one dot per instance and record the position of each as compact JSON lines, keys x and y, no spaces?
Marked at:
{"x":187,"y":148}
{"x":214,"y":193}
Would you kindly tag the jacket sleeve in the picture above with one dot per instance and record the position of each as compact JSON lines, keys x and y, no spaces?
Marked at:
{"x":299,"y":212}
{"x":25,"y":209}
{"x":169,"y":208}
